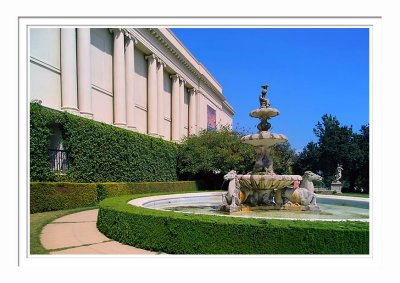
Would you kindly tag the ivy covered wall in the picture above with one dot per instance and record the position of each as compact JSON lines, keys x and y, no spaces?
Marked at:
{"x":97,"y":152}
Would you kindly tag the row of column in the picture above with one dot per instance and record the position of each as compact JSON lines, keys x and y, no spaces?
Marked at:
{"x":76,"y":84}
{"x":123,"y":73}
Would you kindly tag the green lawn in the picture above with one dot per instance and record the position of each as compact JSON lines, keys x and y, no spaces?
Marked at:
{"x":39,"y":220}
{"x":356,"y":195}
{"x":351,"y":195}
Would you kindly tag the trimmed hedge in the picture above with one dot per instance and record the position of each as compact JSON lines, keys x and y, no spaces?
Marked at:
{"x":57,"y":196}
{"x":105,"y":190}
{"x":48,"y":196}
{"x":183,"y":233}
{"x":98,"y":152}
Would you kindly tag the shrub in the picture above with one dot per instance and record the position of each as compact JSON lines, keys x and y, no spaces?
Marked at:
{"x":98,"y":152}
{"x":182,"y":233}
{"x":105,"y":190}
{"x":49,"y":196}
{"x":46,"y":196}
{"x":201,"y":156}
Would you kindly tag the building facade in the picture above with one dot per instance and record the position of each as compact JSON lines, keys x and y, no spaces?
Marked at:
{"x":141,"y":79}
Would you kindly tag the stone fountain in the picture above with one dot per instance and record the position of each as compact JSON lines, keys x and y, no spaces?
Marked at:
{"x":262,"y":187}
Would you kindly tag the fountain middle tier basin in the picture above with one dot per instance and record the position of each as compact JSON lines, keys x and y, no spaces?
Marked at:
{"x":264,"y":138}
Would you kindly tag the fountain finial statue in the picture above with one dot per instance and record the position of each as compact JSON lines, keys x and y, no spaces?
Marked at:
{"x":264,"y":102}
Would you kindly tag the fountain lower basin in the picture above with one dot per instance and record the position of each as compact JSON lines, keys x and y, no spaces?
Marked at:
{"x":266,"y":182}
{"x":332,"y":208}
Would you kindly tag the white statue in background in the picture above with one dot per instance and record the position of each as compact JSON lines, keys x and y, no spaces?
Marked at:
{"x":338,"y":175}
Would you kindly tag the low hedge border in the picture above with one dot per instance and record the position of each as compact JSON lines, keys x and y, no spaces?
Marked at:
{"x":183,"y":233}
{"x":50,"y":196}
{"x":105,"y":190}
{"x":46,"y":196}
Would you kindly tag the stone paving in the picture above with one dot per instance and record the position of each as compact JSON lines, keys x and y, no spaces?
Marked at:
{"x":77,"y":234}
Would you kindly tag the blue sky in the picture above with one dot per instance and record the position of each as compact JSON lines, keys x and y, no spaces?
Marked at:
{"x":310,"y":72}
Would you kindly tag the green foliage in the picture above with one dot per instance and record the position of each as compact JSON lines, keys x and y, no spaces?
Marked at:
{"x":283,"y":156}
{"x":49,"y":196}
{"x":105,"y":190}
{"x":220,"y":150}
{"x":46,"y":196}
{"x":361,"y":166}
{"x":182,"y":233}
{"x":41,"y":120}
{"x":99,"y":152}
{"x":307,"y":160}
{"x":337,"y":144}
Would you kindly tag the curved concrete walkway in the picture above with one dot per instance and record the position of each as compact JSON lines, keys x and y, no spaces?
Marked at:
{"x":77,"y":234}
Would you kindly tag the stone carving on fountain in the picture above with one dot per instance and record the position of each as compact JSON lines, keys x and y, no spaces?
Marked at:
{"x":262,"y":187}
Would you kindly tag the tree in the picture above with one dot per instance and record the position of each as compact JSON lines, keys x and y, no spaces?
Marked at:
{"x":337,"y":144}
{"x":283,"y":156}
{"x":362,"y":170}
{"x":211,"y":154}
{"x":307,"y":160}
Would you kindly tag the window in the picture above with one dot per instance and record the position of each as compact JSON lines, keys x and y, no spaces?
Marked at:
{"x":59,"y":158}
{"x":211,"y":118}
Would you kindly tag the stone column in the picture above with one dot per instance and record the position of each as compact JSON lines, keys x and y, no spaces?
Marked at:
{"x":69,"y":94}
{"x":198,"y":110}
{"x":160,"y":97}
{"x":192,"y":112}
{"x":129,"y":80}
{"x":84,"y":72}
{"x":175,"y":119}
{"x":152,"y":128}
{"x":181,"y":104}
{"x":119,"y":79}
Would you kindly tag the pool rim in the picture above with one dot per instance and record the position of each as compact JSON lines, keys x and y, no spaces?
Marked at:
{"x":141,"y":202}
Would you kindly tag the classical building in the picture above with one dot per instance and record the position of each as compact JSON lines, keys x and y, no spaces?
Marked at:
{"x":142,"y":79}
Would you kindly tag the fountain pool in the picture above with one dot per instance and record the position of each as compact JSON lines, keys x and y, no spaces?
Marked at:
{"x":332,"y":208}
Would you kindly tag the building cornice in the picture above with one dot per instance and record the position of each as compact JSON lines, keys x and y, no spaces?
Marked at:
{"x":189,"y":69}
{"x":164,"y":36}
{"x":228,"y":107}
{"x":129,"y":36}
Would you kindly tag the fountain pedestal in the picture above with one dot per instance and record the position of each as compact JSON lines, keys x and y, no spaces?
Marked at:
{"x":336,"y":187}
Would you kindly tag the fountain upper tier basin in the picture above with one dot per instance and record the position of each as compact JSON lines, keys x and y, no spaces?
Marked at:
{"x":264,"y":138}
{"x":264,"y":113}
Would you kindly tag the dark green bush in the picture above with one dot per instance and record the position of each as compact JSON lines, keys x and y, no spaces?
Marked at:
{"x":182,"y":233}
{"x":46,"y":196}
{"x":201,"y":156}
{"x":98,"y":152}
